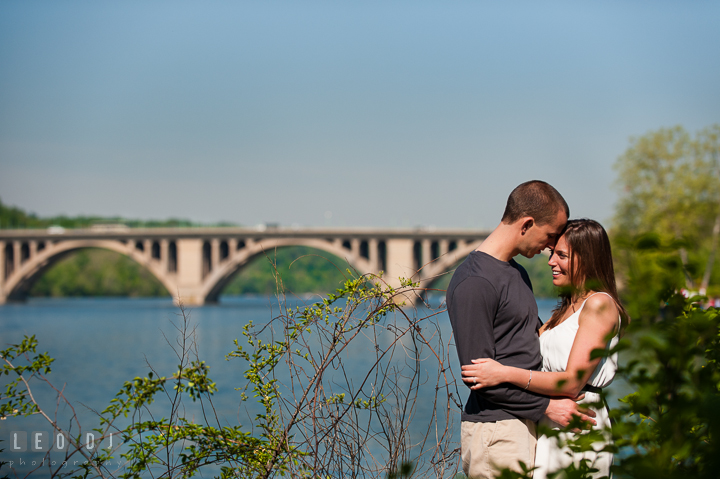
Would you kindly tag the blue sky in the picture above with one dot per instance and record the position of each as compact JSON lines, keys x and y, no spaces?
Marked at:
{"x":336,"y":113}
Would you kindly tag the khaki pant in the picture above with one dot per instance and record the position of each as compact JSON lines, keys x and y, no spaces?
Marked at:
{"x":490,"y":446}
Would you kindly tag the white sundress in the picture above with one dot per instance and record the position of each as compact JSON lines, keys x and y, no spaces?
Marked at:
{"x":555,"y":346}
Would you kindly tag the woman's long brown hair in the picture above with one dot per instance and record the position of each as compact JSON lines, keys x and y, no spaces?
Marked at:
{"x":591,"y":266}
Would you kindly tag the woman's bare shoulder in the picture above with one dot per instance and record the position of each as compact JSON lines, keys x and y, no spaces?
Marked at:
{"x":601,"y":307}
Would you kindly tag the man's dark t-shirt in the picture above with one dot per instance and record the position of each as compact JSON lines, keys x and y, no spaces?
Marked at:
{"x":494,"y":315}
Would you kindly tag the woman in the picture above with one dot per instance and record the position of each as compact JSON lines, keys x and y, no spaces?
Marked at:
{"x":588,"y":317}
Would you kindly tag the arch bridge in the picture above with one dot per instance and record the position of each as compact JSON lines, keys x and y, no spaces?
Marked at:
{"x":195,"y":264}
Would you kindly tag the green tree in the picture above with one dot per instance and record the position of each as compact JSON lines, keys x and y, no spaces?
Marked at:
{"x":669,"y":185}
{"x":12,"y":217}
{"x":97,"y":272}
{"x":301,"y":270}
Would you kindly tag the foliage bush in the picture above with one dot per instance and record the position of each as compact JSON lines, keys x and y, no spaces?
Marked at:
{"x":669,"y":426}
{"x":314,"y":419}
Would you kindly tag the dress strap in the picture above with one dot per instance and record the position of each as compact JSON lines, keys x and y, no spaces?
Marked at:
{"x":598,"y":292}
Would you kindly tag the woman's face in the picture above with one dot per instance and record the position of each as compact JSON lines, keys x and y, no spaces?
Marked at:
{"x":560,"y":263}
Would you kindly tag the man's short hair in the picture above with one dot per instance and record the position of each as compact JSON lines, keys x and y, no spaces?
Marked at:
{"x":536,"y":199}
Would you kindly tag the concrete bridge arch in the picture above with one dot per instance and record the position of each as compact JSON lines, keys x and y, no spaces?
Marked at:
{"x":19,"y":282}
{"x":215,"y":282}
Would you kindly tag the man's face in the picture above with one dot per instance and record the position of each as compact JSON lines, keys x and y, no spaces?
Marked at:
{"x":538,"y":237}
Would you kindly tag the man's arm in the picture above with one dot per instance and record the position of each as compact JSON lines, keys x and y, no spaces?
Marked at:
{"x":472,"y":310}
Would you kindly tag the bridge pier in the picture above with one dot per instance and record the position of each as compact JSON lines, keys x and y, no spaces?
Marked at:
{"x":164,"y":255}
{"x":17,"y":247}
{"x":189,"y":276}
{"x":373,"y":254}
{"x":400,"y":264}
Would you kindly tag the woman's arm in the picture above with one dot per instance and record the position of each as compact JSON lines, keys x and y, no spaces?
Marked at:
{"x":598,"y":321}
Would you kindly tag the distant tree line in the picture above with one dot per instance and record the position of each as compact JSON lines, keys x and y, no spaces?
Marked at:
{"x":12,"y":217}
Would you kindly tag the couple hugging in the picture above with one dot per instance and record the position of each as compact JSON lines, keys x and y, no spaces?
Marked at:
{"x":517,"y":379}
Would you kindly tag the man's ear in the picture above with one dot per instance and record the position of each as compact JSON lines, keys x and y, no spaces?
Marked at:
{"x":527,"y":223}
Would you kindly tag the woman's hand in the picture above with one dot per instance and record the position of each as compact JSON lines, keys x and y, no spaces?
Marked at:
{"x":483,"y":373}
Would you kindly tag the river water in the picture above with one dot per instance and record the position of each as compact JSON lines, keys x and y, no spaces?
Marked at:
{"x":98,"y":343}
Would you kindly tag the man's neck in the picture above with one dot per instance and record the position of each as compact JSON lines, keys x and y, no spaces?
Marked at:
{"x":500,"y":244}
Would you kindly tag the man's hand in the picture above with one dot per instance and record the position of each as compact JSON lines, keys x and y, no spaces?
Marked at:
{"x":562,"y":411}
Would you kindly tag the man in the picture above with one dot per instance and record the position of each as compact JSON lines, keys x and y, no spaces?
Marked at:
{"x":494,"y":315}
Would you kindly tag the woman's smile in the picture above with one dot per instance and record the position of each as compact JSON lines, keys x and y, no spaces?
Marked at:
{"x":560,"y":263}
